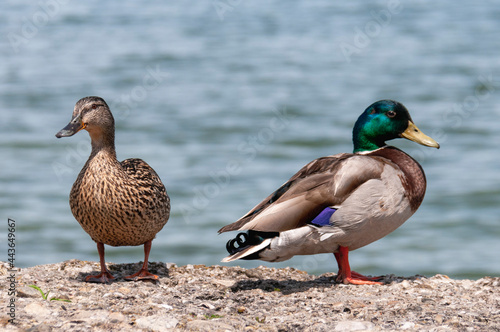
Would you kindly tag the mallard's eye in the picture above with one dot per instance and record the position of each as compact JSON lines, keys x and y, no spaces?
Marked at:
{"x":94,"y":106}
{"x":391,"y":114}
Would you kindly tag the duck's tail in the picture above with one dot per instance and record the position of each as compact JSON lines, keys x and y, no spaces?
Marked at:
{"x":280,"y":246}
{"x":248,"y":245}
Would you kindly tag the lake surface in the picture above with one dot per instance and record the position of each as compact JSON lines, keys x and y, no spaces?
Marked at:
{"x":228,"y":99}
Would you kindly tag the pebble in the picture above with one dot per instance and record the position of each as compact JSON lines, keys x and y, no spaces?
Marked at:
{"x":351,"y":325}
{"x":156,"y":323}
{"x":224,"y":282}
{"x":220,"y":298}
{"x":114,"y":294}
{"x":405,"y":284}
{"x":165,"y":306}
{"x":36,"y":309}
{"x":124,"y":290}
{"x":211,"y":325}
{"x":407,"y":326}
{"x":116,"y":317}
{"x":87,"y":268}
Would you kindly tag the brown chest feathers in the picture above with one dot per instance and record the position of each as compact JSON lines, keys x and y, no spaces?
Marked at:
{"x":119,"y":204}
{"x":414,"y":181}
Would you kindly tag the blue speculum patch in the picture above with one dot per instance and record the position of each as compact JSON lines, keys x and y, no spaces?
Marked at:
{"x":323,"y":219}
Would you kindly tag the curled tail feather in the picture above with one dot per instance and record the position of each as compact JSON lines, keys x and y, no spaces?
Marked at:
{"x":248,"y":245}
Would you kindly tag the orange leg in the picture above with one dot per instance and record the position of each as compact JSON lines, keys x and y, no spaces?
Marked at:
{"x":143,"y":273}
{"x":346,"y":276}
{"x":103,"y":277}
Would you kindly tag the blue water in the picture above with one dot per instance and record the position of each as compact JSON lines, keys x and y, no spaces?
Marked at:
{"x":228,"y":99}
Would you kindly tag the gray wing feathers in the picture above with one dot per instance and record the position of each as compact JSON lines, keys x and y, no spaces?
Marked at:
{"x":324,"y":182}
{"x":373,"y":211}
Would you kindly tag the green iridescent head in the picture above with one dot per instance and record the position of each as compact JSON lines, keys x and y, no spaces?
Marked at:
{"x":385,"y":120}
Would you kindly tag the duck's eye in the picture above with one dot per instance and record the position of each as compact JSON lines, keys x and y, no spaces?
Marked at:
{"x":94,"y":106}
{"x":391,"y":114}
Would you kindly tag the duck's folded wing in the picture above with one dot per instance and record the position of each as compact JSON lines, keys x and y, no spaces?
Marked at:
{"x":144,"y":182}
{"x":324,"y":182}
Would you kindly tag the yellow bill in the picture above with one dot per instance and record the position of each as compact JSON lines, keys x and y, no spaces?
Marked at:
{"x":414,"y":134}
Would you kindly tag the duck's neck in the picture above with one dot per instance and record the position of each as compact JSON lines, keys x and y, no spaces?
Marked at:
{"x":103,"y":142}
{"x":363,"y":143}
{"x":365,"y":138}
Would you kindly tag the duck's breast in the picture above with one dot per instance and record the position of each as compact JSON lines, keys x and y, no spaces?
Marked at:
{"x":113,"y":208}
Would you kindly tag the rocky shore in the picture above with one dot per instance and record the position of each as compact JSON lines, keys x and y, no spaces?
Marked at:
{"x":219,"y":298}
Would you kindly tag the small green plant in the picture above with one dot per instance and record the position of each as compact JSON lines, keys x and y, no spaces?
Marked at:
{"x":46,"y":295}
{"x":260,"y":320}
{"x":213,"y":316}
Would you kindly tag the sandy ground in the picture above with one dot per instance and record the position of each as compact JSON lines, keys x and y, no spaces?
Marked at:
{"x":218,"y":298}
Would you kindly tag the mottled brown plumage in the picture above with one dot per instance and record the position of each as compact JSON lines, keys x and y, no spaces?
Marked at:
{"x":116,"y":203}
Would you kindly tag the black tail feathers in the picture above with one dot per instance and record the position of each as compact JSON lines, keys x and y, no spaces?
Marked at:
{"x":244,"y":240}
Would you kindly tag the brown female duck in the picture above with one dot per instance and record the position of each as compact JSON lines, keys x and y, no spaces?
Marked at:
{"x":116,"y":203}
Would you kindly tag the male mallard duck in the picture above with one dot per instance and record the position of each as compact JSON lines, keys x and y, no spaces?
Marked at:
{"x":342,"y":202}
{"x":116,"y":203}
